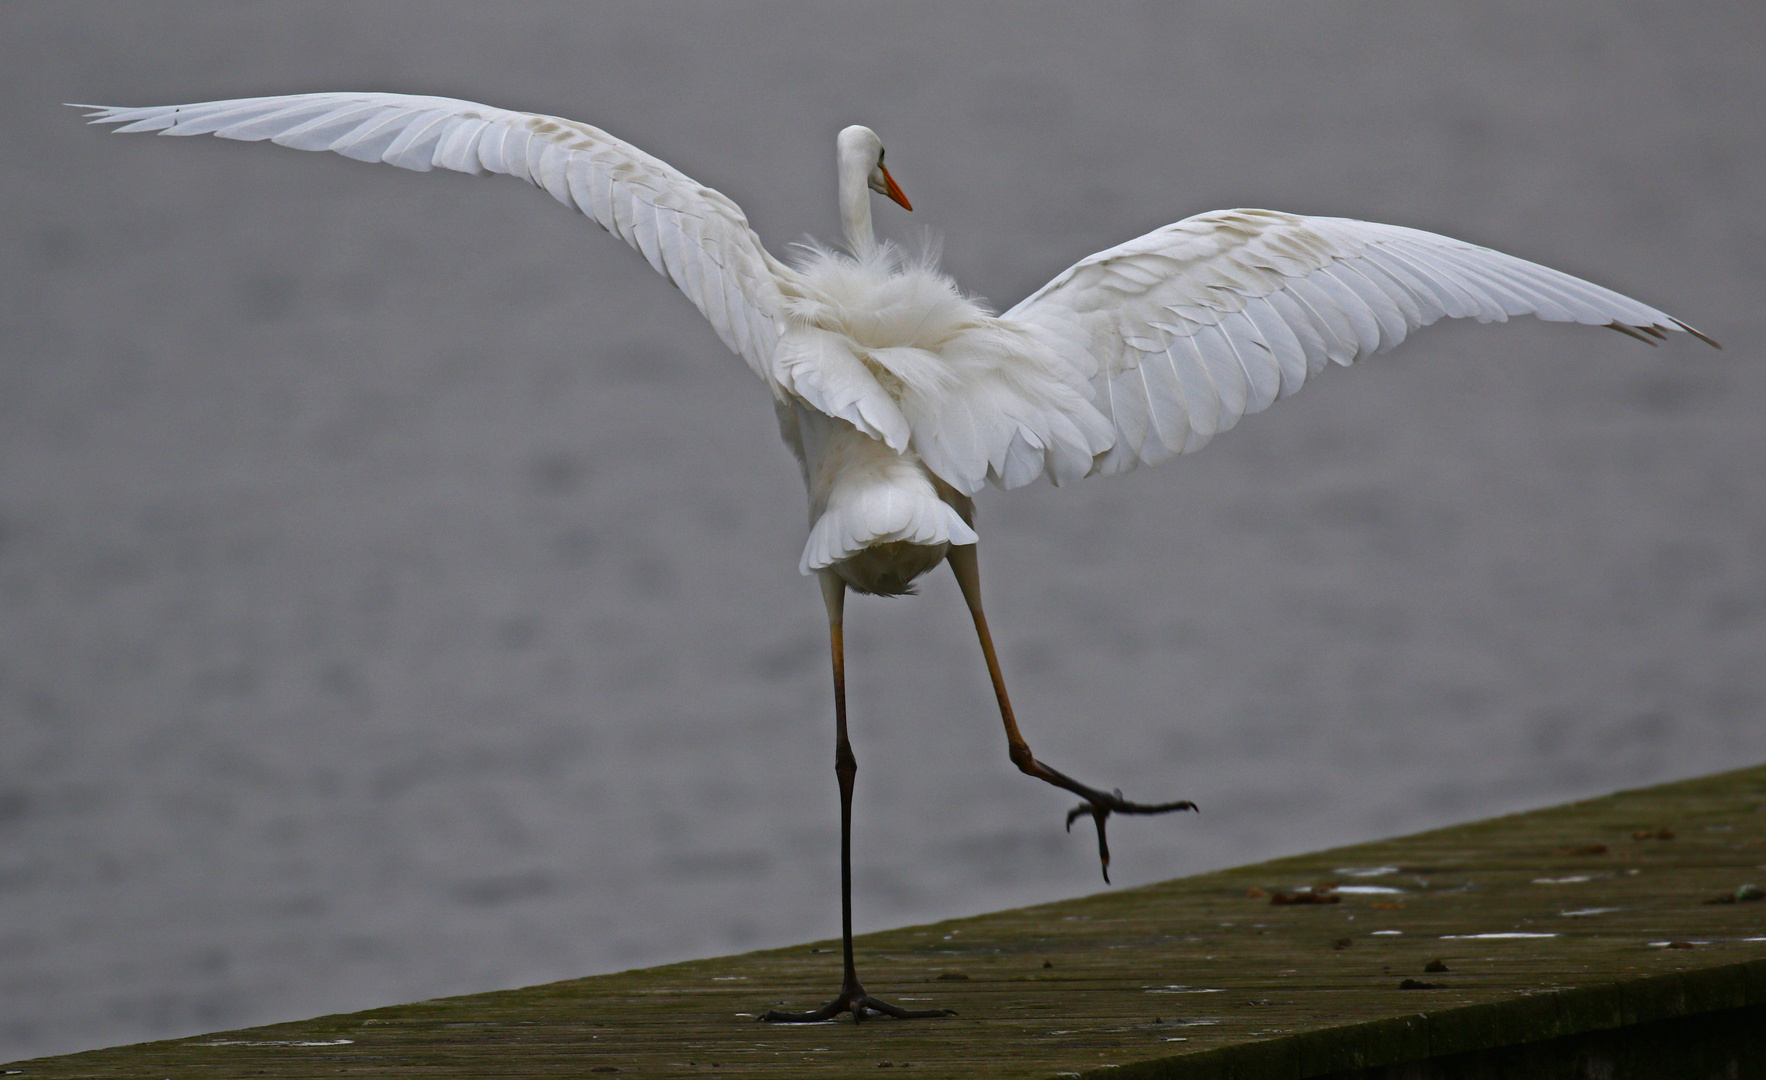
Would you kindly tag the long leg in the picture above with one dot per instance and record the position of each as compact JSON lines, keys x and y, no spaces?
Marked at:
{"x":852,"y":997}
{"x":1098,"y":804}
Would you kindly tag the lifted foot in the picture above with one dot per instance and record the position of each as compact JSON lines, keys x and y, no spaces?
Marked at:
{"x":965,"y":566}
{"x":854,"y":1000}
{"x":1101,"y":806}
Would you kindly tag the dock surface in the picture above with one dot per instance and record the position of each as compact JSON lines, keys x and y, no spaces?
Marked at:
{"x":1625,"y":929}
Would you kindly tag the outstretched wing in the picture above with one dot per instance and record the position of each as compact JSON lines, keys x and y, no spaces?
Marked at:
{"x":695,"y":236}
{"x":1186,"y":329}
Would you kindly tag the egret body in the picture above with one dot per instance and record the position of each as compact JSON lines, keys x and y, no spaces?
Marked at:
{"x":902,"y":398}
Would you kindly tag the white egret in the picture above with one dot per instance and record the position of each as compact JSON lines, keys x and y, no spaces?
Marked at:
{"x":901,"y":397}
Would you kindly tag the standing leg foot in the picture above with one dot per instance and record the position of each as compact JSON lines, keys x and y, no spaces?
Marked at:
{"x":855,"y":1000}
{"x":852,"y":997}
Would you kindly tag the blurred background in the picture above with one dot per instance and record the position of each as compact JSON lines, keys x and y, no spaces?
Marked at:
{"x":398,"y":588}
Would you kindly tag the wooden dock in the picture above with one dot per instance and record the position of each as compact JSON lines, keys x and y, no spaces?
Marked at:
{"x":1621,"y":936}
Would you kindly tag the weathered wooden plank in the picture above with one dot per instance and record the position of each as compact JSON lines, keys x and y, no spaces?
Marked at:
{"x":1551,"y":926}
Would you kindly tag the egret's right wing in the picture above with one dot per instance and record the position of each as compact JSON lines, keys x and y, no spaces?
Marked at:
{"x":695,"y":236}
{"x":1184,"y":330}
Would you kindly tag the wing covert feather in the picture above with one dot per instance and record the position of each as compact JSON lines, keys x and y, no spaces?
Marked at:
{"x":1184,"y":330}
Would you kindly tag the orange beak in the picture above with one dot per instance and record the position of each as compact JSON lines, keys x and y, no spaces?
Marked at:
{"x":894,"y":192}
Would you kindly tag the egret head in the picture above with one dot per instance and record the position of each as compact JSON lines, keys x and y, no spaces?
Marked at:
{"x":861,"y":152}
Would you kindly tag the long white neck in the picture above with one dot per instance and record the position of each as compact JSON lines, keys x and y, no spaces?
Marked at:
{"x":855,"y":204}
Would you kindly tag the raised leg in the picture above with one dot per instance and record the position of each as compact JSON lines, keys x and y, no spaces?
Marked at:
{"x":852,"y":997}
{"x":1100,"y":805}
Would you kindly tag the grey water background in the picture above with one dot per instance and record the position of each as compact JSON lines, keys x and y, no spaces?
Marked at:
{"x":398,"y":588}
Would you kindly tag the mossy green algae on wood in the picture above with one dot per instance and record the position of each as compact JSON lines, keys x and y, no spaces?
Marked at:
{"x":1589,"y":917}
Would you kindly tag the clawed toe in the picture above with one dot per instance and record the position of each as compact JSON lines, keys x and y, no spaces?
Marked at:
{"x":1101,"y":806}
{"x":861,"y":1005}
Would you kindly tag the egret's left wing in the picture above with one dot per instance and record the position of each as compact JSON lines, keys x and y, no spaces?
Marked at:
{"x":695,"y":236}
{"x":1184,"y":330}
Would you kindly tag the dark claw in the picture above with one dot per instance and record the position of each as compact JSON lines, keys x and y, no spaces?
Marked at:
{"x":1101,"y":806}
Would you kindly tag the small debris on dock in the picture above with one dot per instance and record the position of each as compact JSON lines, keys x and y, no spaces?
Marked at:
{"x":1585,"y":849}
{"x":1305,"y":896}
{"x":1743,"y":894}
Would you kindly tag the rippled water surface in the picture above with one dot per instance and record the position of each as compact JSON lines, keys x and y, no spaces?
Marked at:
{"x":398,"y":588}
